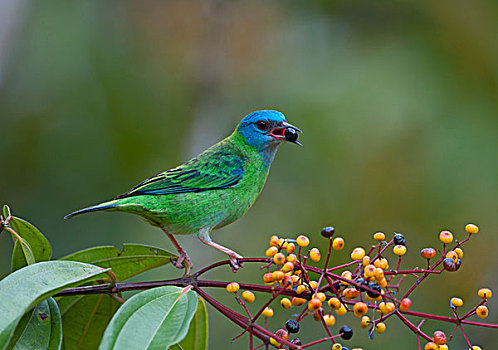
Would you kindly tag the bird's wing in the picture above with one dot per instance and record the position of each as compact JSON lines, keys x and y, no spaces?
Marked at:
{"x":218,"y":171}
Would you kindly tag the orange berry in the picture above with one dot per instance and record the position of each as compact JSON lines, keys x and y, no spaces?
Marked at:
{"x":286,"y":303}
{"x":350,"y":293}
{"x":360,"y":309}
{"x":428,"y":253}
{"x":279,"y":259}
{"x":298,"y":301}
{"x":405,"y":304}
{"x":379,"y":236}
{"x":288,"y":267}
{"x":446,"y":237}
{"x":471,"y":228}
{"x":338,"y":243}
{"x":329,"y":320}
{"x":382,"y":283}
{"x":302,"y":241}
{"x":439,"y":337}
{"x":301,"y":289}
{"x":379,"y":273}
{"x":315,"y":255}
{"x":248,"y":296}
{"x":334,"y":303}
{"x":456,"y":302}
{"x":278,"y":275}
{"x":314,"y":304}
{"x":290,"y":248}
{"x":482,"y":311}
{"x":232,"y":287}
{"x":399,"y":250}
{"x":382,"y":263}
{"x":485,"y":293}
{"x":292,"y":258}
{"x":268,"y":278}
{"x":380,"y":327}
{"x":431,"y":346}
{"x":268,"y":312}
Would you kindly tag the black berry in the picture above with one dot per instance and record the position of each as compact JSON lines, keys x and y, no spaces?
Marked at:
{"x":399,"y":239}
{"x":296,"y":341}
{"x":376,"y":288}
{"x":346,"y":332}
{"x":290,"y":135}
{"x":292,"y":326}
{"x":328,"y":231}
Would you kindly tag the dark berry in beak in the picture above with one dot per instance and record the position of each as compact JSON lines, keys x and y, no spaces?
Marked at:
{"x":290,"y":135}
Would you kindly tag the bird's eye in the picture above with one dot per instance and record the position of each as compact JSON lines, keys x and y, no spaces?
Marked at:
{"x":263,"y":125}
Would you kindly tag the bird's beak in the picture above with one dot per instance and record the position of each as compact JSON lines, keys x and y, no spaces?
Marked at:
{"x":280,"y":133}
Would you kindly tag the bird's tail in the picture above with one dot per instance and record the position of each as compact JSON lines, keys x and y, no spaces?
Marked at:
{"x":98,"y":207}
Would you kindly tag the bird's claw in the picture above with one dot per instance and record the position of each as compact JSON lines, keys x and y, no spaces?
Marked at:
{"x":183,"y":261}
{"x":235,"y":263}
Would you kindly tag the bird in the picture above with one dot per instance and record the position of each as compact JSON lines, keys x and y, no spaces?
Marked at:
{"x":210,"y":190}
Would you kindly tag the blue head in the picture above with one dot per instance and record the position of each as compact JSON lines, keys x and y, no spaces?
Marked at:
{"x":266,"y":129}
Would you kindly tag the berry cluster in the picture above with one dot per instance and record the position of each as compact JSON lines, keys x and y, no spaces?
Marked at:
{"x":366,"y":282}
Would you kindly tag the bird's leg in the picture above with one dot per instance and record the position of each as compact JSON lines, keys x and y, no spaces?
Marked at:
{"x":234,"y":257}
{"x":182,"y":257}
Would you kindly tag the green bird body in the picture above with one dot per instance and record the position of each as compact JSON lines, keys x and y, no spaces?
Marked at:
{"x":211,"y":190}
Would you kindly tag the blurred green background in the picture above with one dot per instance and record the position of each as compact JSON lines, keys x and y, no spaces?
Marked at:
{"x":398,"y":102}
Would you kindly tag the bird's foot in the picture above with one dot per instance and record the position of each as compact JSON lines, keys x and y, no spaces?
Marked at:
{"x":183,"y":261}
{"x":235,"y":262}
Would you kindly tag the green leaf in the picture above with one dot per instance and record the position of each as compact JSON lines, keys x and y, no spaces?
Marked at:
{"x":23,"y":289}
{"x":40,"y":328}
{"x":154,"y":319}
{"x":197,"y":336}
{"x":6,"y":211}
{"x":84,"y":319}
{"x":131,"y":261}
{"x":36,"y":242}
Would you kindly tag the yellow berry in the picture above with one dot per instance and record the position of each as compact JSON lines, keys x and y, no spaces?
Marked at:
{"x":248,"y":296}
{"x":281,"y":242}
{"x":288,"y":267}
{"x":369,"y":271}
{"x":443,"y":347}
{"x":358,"y":253}
{"x":341,"y":311}
{"x":482,"y":311}
{"x":336,"y":346}
{"x":292,"y":258}
{"x":485,"y":293}
{"x":268,"y":312}
{"x":347,"y":275}
{"x":452,"y":255}
{"x":315,"y":255}
{"x":338,"y":243}
{"x":475,"y":347}
{"x":459,"y":252}
{"x":313,"y":284}
{"x":382,"y":263}
{"x":302,"y":241}
{"x":379,"y":236}
{"x":365,"y":322}
{"x":274,"y":241}
{"x":360,"y":309}
{"x":321,"y":296}
{"x":278,"y":275}
{"x":232,"y":287}
{"x":456,"y":302}
{"x":274,"y":342}
{"x":446,"y":237}
{"x":382,"y":283}
{"x":268,"y":278}
{"x":334,"y":303}
{"x":380,"y":327}
{"x":350,"y":293}
{"x":431,"y":346}
{"x":329,"y":320}
{"x":366,"y":260}
{"x":286,"y":303}
{"x":301,"y":289}
{"x":399,"y":250}
{"x":270,"y":252}
{"x":298,"y":301}
{"x":279,"y":259}
{"x":471,"y":228}
{"x":379,"y":273}
{"x":290,"y":248}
